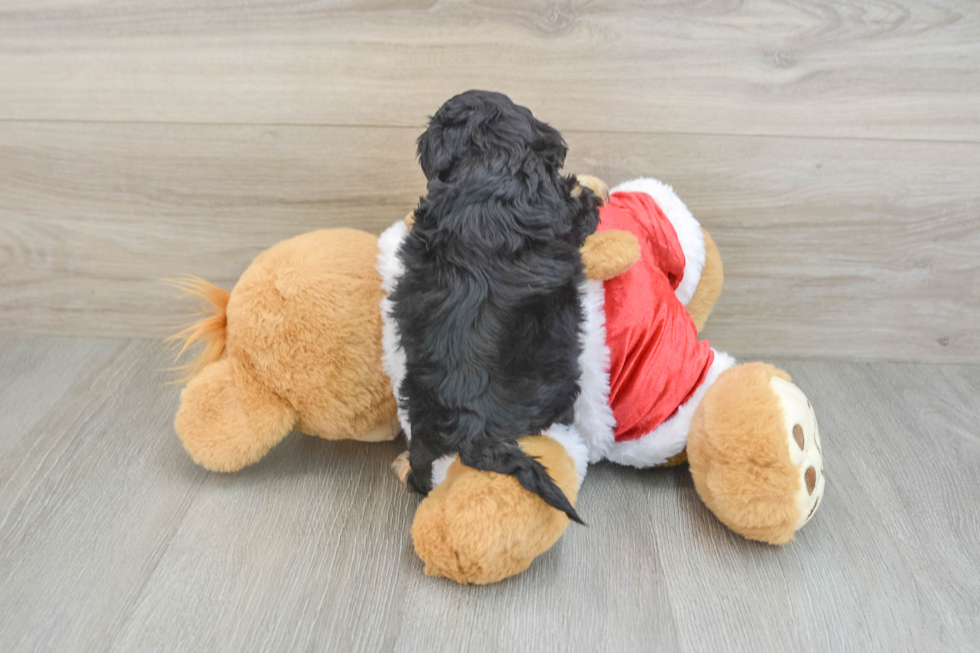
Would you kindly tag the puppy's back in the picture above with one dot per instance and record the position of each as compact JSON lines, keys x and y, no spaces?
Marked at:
{"x":488,"y":309}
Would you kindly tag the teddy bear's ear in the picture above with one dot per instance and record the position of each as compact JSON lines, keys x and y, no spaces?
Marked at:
{"x":608,"y":254}
{"x":228,"y":420}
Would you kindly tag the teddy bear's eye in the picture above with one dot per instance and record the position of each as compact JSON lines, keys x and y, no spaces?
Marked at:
{"x":798,"y":436}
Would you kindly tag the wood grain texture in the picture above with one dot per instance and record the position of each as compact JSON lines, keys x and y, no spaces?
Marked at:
{"x":87,"y":500}
{"x":93,"y":217}
{"x":892,"y":69}
{"x":833,"y":248}
{"x":112,"y":540}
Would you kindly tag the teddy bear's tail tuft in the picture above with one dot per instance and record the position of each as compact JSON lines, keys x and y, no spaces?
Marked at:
{"x":210,"y":328}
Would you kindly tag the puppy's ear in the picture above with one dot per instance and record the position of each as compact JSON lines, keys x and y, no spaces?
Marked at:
{"x":435,"y":156}
{"x":596,"y":185}
{"x":589,"y":213}
{"x":584,"y":205}
{"x":549,"y":145}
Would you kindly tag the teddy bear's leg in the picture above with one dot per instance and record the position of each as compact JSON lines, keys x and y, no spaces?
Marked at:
{"x":709,"y":285}
{"x":481,"y":527}
{"x":228,"y":420}
{"x":754,"y":450}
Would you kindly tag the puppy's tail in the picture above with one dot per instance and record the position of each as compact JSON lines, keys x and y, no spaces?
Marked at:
{"x":508,"y":458}
{"x":209,"y":329}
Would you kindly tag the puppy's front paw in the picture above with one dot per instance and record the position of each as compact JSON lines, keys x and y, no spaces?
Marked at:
{"x":596,"y":185}
{"x":401,"y":468}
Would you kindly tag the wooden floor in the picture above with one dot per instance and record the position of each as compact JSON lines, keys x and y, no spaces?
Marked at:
{"x":111,"y":539}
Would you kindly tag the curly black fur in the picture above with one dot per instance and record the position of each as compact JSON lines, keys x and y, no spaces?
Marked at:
{"x":488,"y":308}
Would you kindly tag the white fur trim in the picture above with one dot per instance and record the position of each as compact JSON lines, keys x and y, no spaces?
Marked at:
{"x":688,"y":230}
{"x":390,"y":268}
{"x":670,"y":438}
{"x":594,"y":418}
{"x":797,"y":413}
{"x":440,"y":467}
{"x":569,"y":438}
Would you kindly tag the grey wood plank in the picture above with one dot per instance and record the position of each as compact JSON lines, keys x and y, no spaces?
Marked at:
{"x":35,"y":374}
{"x":888,"y":563}
{"x":92,"y":217}
{"x":90,"y":496}
{"x":832,"y":248}
{"x":601,"y":587}
{"x":893,"y":69}
{"x":918,"y":462}
{"x":305,"y":551}
{"x":111,"y":539}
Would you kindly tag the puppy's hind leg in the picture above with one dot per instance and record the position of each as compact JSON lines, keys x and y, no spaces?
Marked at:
{"x":420,"y":459}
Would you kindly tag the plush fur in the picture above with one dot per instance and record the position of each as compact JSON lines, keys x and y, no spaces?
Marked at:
{"x":297,"y":344}
{"x":292,"y":304}
{"x":610,"y":253}
{"x":455,"y":537}
{"x":738,"y":456}
{"x":478,"y":527}
{"x":487,"y":309}
{"x":317,"y":296}
{"x":709,"y":286}
{"x":209,"y":329}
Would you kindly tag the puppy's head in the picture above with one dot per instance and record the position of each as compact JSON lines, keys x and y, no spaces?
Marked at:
{"x":494,"y":178}
{"x":484,"y":132}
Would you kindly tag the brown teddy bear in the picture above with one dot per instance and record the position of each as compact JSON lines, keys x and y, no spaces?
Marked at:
{"x":304,"y":342}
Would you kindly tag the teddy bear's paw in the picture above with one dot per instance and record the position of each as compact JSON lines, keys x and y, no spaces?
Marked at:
{"x":608,"y":254}
{"x":754,"y":453}
{"x":803,"y":445}
{"x":480,"y":527}
{"x":596,"y":185}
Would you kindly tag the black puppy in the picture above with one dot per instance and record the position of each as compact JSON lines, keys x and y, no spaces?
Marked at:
{"x":488,"y":309}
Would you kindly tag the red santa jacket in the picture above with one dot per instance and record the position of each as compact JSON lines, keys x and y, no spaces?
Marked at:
{"x":655,"y":359}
